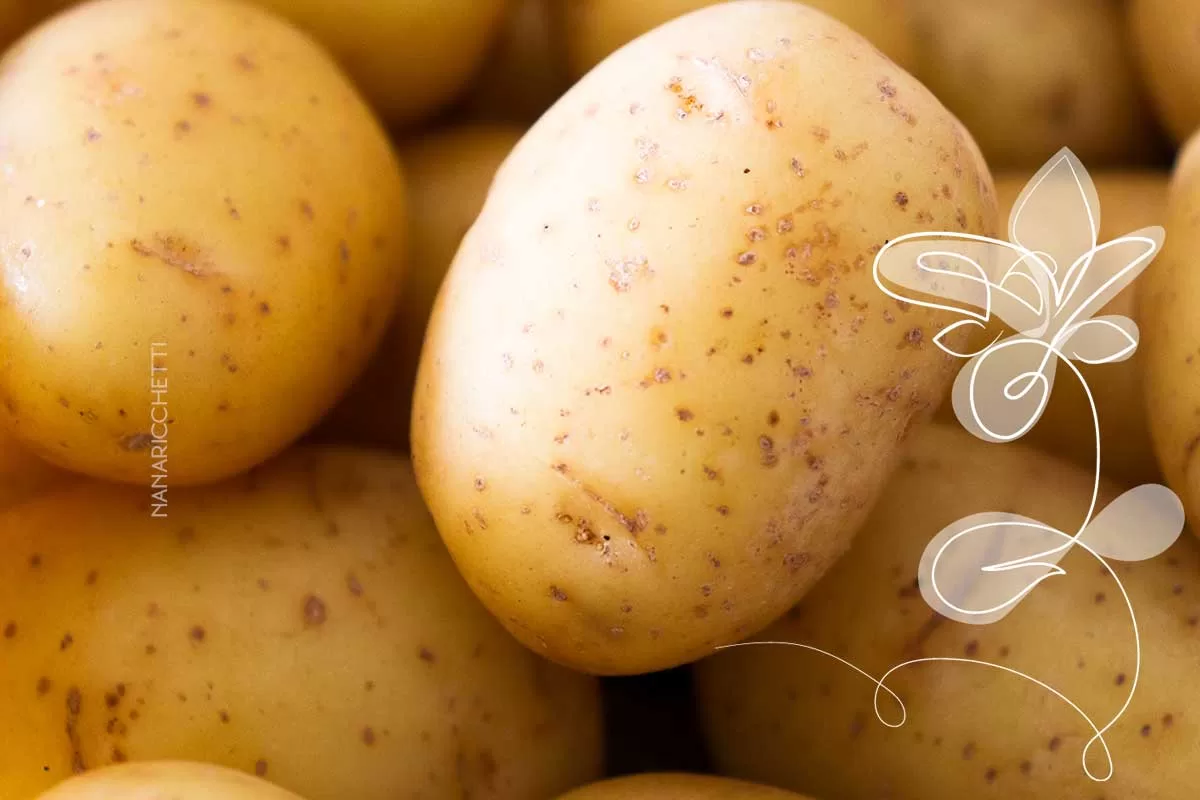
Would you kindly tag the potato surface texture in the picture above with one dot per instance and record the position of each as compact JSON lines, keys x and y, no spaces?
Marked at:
{"x":1165,"y":38}
{"x":166,"y":780}
{"x":1028,"y":77}
{"x":659,"y":386}
{"x":198,"y":178}
{"x":448,"y":175}
{"x":802,"y":720}
{"x":593,"y":29}
{"x":410,"y":57}
{"x":303,"y":623}
{"x":677,"y":786}
{"x":1168,"y":294}
{"x":23,"y":475}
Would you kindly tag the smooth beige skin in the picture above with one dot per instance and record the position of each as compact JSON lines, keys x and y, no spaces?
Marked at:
{"x":802,"y":720}
{"x":659,"y":386}
{"x":23,"y":475}
{"x":593,"y":29}
{"x":159,"y":780}
{"x":526,"y":70}
{"x":411,"y":58}
{"x":677,"y":786}
{"x":1130,"y":200}
{"x":1168,"y":295}
{"x":449,"y":172}
{"x":1028,"y":77}
{"x":303,"y":623}
{"x":196,"y":174}
{"x":1165,"y":42}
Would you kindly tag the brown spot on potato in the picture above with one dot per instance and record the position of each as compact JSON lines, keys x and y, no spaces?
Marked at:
{"x":1054,"y":744}
{"x":314,"y":611}
{"x":368,"y":736}
{"x":558,"y":594}
{"x":43,"y":686}
{"x":426,"y":655}
{"x":10,"y":630}
{"x":684,"y":415}
{"x":197,"y":633}
{"x":260,"y":767}
{"x":66,"y":641}
{"x":901,"y":199}
{"x":174,"y":251}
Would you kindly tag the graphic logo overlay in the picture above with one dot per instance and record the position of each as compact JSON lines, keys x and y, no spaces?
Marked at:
{"x":1045,"y":285}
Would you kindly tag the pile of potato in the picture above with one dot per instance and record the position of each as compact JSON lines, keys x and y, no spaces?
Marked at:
{"x":411,"y":399}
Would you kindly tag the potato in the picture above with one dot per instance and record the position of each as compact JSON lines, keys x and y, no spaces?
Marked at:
{"x":185,"y":781}
{"x":1167,"y":297}
{"x":659,"y":386}
{"x":18,"y":16}
{"x":595,"y":28}
{"x":410,"y":57}
{"x":802,"y":720}
{"x":448,"y":177}
{"x":23,"y":475}
{"x":1028,"y":77}
{"x":1164,"y":38}
{"x":526,"y":70}
{"x":303,"y":623}
{"x":669,"y":786}
{"x":1129,"y":201}
{"x":191,"y":187}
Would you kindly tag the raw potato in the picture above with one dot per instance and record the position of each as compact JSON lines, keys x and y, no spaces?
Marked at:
{"x":197,"y":178}
{"x":448,"y":175}
{"x":595,"y":28}
{"x":526,"y":71}
{"x":18,"y":16}
{"x":1129,"y":201}
{"x":1165,"y":39}
{"x":183,"y":780}
{"x":1168,"y":295}
{"x":303,"y":623}
{"x":22,"y":475}
{"x":411,"y":58}
{"x":1028,"y":77}
{"x":672,"y":786}
{"x":660,"y":387}
{"x":802,"y":720}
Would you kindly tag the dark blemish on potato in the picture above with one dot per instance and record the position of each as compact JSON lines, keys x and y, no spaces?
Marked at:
{"x":314,"y":611}
{"x":1061,"y":102}
{"x":244,"y":62}
{"x":901,"y":199}
{"x":1120,"y":679}
{"x":306,"y":209}
{"x":172,"y":251}
{"x":201,"y":99}
{"x":197,"y":633}
{"x":913,"y":337}
{"x":91,"y":135}
{"x":228,"y":362}
{"x":43,"y":686}
{"x":368,"y":736}
{"x":886,"y":88}
{"x":74,"y":707}
{"x":968,"y":751}
{"x":1099,"y":598}
{"x":746,"y":258}
{"x":10,"y":630}
{"x":66,"y":641}
{"x":796,"y":561}
{"x":1146,"y":730}
{"x":766,"y":448}
{"x":684,"y":414}
{"x":820,"y":134}
{"x":747,"y":359}
{"x":135,"y":441}
{"x":369,"y":686}
{"x":774,"y":124}
{"x":1054,"y":744}
{"x":726,"y":313}
{"x":151,"y":649}
{"x":353,"y":585}
{"x":971,"y":649}
{"x":260,"y":767}
{"x":427,"y":655}
{"x":990,"y":775}
{"x":182,"y":127}
{"x":35,"y":560}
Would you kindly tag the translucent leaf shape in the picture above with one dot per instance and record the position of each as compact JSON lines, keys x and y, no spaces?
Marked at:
{"x":1140,"y":524}
{"x":1102,"y":340}
{"x":1002,"y":392}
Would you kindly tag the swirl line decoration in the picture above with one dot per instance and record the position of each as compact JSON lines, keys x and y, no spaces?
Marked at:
{"x":1045,"y":286}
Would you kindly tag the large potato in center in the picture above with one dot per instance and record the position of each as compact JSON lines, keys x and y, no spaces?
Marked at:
{"x":660,"y":387}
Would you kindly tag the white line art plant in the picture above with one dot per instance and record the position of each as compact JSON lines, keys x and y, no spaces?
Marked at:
{"x":1045,"y":284}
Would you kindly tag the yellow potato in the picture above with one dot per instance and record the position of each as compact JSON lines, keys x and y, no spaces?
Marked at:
{"x":22,"y":475}
{"x":410,"y":57}
{"x":676,"y":786}
{"x":183,"y":780}
{"x":1028,"y":77}
{"x":18,"y":16}
{"x":593,"y":29}
{"x":1129,"y":201}
{"x":526,"y":71}
{"x":303,"y":623}
{"x":1168,"y":295}
{"x":448,"y":176}
{"x":802,"y":720}
{"x":660,"y":387}
{"x":1165,"y":38}
{"x":191,"y":186}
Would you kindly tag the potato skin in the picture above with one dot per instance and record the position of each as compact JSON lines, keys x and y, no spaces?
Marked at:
{"x":803,"y":721}
{"x":23,"y":475}
{"x":676,"y":786}
{"x":267,"y":274}
{"x":1164,"y":38}
{"x":448,"y":175}
{"x":1167,"y":296}
{"x":410,"y":57}
{"x":303,"y":623}
{"x":184,"y":780}
{"x":1129,"y":201}
{"x":659,"y":386}
{"x":1028,"y":77}
{"x":593,"y":29}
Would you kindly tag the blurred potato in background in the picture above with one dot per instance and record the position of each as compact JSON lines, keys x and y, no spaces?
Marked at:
{"x":1166,"y":34}
{"x":448,"y":172}
{"x":1028,"y":77}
